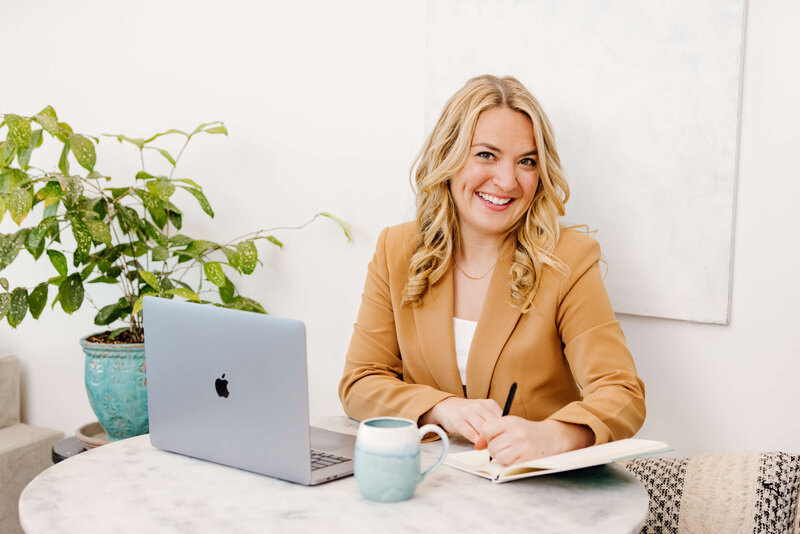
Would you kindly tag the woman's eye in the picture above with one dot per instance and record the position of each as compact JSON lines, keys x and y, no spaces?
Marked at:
{"x":530,"y":162}
{"x":485,"y":155}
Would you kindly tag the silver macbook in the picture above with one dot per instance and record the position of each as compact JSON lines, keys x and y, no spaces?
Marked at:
{"x":231,"y":387}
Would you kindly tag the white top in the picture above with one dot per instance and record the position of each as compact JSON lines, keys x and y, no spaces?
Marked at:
{"x":464,"y":331}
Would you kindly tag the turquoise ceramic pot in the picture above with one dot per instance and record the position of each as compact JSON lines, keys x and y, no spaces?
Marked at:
{"x":117,"y":386}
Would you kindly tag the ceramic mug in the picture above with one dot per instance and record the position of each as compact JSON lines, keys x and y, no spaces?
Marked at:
{"x":387,"y":465}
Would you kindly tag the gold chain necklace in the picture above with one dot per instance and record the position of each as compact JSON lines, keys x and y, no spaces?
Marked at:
{"x":474,"y":277}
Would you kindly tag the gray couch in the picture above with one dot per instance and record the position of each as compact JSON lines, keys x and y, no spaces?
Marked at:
{"x":25,"y":451}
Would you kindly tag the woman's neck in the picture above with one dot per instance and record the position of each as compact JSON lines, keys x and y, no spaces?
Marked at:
{"x":478,"y":252}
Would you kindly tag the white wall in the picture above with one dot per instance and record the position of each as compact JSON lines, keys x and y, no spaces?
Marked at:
{"x":325,"y":104}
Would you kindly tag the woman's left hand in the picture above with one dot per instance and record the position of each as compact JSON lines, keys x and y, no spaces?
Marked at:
{"x":512,"y":439}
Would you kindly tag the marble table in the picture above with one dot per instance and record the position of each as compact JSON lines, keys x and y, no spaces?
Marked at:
{"x":130,"y":486}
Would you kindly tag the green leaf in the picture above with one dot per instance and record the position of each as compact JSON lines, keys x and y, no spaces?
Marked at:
{"x":108,"y":314}
{"x":83,"y":150}
{"x":272,"y":239}
{"x":4,"y":283}
{"x":217,"y":130}
{"x":24,"y":155}
{"x":184,"y":292}
{"x":99,"y":231}
{"x":118,"y":192}
{"x":175,"y":215}
{"x":51,"y":210}
{"x":233,"y":258}
{"x":129,"y":219}
{"x":37,"y":300}
{"x":180,"y":240}
{"x":2,"y":209}
{"x":160,"y":253}
{"x":214,"y":273}
{"x":155,"y":234}
{"x":88,"y":270}
{"x":50,"y":193}
{"x":48,"y":120}
{"x":244,"y":303}
{"x":150,"y":279}
{"x":117,"y":331}
{"x":102,"y":280}
{"x":5,"y":304}
{"x":19,"y":306}
{"x":35,"y":250}
{"x":142,"y":175}
{"x":12,"y":179}
{"x":163,"y":189}
{"x":134,"y":141}
{"x":64,"y":131}
{"x":10,"y":245}
{"x":70,"y":293}
{"x":197,"y":248}
{"x":137,"y":306}
{"x":83,"y":240}
{"x":19,"y":204}
{"x":63,"y":161}
{"x":202,"y":126}
{"x":164,"y":153}
{"x":227,"y":292}
{"x":170,"y":131}
{"x":135,"y":249}
{"x":38,"y":234}
{"x":248,"y":256}
{"x":201,"y":199}
{"x":187,"y":181}
{"x":345,"y":226}
{"x":94,"y":175}
{"x":9,"y":150}
{"x":59,"y":261}
{"x":19,"y":131}
{"x":154,"y":205}
{"x":48,"y":112}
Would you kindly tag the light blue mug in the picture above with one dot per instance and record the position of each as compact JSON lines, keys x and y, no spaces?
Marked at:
{"x":387,"y":465}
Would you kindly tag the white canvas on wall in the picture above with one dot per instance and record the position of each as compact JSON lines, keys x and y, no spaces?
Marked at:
{"x":644,"y":100}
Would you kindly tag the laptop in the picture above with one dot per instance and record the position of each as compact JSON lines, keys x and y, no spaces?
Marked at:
{"x":231,"y":387}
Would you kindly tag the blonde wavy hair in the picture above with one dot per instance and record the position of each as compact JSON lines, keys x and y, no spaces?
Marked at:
{"x":445,"y":152}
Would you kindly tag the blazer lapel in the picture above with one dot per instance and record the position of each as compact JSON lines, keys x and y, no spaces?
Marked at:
{"x":496,"y":323}
{"x":434,"y":319}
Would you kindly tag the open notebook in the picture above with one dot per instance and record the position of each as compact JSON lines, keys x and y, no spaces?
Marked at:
{"x":477,"y":462}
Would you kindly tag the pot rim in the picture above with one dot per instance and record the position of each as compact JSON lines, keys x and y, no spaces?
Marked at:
{"x":95,"y":344}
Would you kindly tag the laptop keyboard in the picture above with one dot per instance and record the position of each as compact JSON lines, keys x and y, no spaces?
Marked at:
{"x":321,"y":459}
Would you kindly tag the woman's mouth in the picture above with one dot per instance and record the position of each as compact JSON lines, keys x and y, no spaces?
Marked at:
{"x":494,"y":202}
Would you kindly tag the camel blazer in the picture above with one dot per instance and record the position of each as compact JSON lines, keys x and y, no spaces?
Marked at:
{"x":568,"y":355}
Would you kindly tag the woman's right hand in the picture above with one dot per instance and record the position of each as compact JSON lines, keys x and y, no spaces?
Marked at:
{"x":462,"y":416}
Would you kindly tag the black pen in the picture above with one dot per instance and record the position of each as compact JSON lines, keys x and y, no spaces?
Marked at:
{"x":507,"y":408}
{"x":510,"y":399}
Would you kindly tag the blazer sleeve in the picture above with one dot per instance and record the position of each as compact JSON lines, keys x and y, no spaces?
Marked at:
{"x":372,"y":384}
{"x":612,"y":402}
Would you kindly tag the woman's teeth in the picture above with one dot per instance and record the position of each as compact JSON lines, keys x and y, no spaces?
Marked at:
{"x":494,"y":200}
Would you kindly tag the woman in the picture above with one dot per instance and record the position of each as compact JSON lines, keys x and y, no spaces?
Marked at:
{"x":486,"y":289}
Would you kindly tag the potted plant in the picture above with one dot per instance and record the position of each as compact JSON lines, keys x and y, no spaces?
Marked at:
{"x":125,"y":236}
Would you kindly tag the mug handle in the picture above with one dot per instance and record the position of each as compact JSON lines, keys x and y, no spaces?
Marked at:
{"x":436,"y":429}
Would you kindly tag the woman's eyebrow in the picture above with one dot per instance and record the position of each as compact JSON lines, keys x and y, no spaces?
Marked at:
{"x":533,"y":152}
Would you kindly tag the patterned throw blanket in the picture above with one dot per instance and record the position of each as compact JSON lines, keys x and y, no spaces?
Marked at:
{"x":722,"y":493}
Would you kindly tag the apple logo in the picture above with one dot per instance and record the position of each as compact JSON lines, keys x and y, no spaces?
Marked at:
{"x":221,"y":386}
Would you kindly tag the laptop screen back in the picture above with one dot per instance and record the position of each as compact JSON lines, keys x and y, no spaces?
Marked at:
{"x":228,"y":386}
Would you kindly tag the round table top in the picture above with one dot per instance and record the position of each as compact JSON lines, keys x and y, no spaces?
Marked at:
{"x":130,"y":486}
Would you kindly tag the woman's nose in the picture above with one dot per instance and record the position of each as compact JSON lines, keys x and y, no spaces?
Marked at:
{"x":505,"y":177}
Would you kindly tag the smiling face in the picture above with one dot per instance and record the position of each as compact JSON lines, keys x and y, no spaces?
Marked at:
{"x":496,"y":185}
